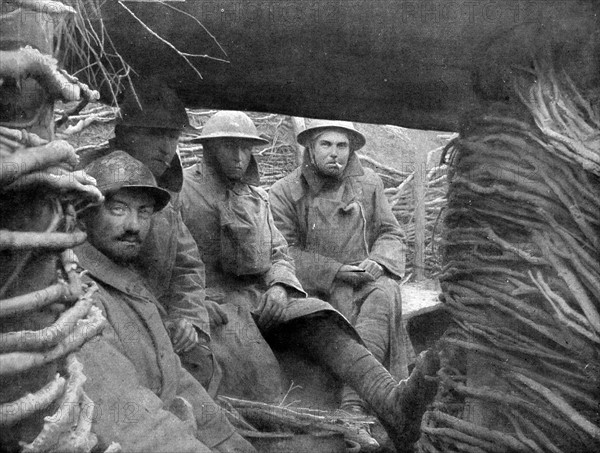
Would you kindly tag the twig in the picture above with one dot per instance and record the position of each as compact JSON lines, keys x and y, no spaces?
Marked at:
{"x":199,"y":23}
{"x":45,"y":6}
{"x":24,"y":240}
{"x":181,"y":54}
{"x":561,"y":405}
{"x":11,"y":413}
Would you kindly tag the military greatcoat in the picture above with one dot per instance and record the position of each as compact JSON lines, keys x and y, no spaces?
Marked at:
{"x":331,"y":222}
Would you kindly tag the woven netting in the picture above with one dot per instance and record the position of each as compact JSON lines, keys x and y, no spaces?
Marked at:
{"x":521,"y":277}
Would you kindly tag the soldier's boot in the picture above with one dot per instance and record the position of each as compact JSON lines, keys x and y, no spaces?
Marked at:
{"x":398,"y":405}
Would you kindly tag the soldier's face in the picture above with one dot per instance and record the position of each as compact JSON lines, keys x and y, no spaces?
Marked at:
{"x":154,"y":147}
{"x":119,"y":227}
{"x":233,"y":156}
{"x":330,"y":151}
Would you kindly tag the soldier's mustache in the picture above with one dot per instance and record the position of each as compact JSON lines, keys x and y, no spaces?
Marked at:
{"x":130,"y":237}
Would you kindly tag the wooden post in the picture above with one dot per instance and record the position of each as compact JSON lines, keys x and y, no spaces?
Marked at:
{"x":419,"y":195}
{"x":298,"y":125}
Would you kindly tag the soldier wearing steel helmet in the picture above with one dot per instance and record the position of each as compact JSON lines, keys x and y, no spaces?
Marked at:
{"x":347,"y":245}
{"x":247,"y":259}
{"x":227,"y":213}
{"x":144,"y":399}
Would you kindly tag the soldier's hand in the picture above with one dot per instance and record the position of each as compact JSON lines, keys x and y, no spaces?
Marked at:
{"x":372,"y":267}
{"x":272,"y":305}
{"x":183,"y":334}
{"x":215,"y":313}
{"x":354,"y":275}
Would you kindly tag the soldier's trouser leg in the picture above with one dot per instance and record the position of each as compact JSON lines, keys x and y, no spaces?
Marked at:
{"x":399,"y":405}
{"x":373,"y":326}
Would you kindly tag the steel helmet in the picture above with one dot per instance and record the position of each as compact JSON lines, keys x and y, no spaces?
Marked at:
{"x":357,"y":139}
{"x":156,"y":106}
{"x":118,"y":170}
{"x":230,"y":124}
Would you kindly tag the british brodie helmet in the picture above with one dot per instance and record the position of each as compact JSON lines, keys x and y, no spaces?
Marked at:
{"x":230,"y":124}
{"x":357,"y":139}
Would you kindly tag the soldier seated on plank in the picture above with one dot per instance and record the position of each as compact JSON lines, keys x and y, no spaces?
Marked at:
{"x":345,"y":241}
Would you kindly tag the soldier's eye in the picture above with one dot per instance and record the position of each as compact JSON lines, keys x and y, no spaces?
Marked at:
{"x":118,"y":209}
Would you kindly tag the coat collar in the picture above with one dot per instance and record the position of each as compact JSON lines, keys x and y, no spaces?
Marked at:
{"x":316,"y":180}
{"x":103,"y":269}
{"x":172,"y":178}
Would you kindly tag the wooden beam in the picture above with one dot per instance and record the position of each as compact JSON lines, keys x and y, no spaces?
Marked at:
{"x":298,"y":125}
{"x":419,"y":195}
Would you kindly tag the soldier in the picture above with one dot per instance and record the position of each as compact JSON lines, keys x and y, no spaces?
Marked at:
{"x":148,"y":127}
{"x":347,"y":245}
{"x":133,"y":374}
{"x":247,"y":258}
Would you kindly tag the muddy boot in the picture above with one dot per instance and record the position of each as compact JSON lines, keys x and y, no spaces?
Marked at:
{"x":399,"y":405}
{"x":405,"y":405}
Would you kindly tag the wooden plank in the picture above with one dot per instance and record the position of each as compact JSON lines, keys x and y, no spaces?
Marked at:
{"x":419,"y":195}
{"x":298,"y":125}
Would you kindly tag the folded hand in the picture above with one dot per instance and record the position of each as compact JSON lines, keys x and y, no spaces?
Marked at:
{"x":183,"y":334}
{"x":372,"y":267}
{"x":272,"y":305}
{"x":354,"y":275}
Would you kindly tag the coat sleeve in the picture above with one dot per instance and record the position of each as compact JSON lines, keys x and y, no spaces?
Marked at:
{"x":186,"y":294}
{"x":283,"y":269}
{"x":316,"y":272}
{"x":389,"y":247}
{"x":125,"y":411}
